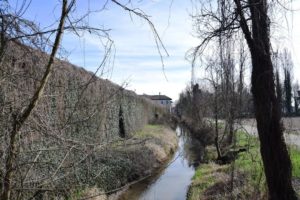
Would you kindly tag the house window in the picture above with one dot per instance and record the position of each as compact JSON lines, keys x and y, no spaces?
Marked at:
{"x":162,"y":102}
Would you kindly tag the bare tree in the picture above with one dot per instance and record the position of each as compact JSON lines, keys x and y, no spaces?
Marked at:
{"x":55,"y":130}
{"x":296,"y":91}
{"x":20,"y":118}
{"x":222,"y":80}
{"x":215,"y":81}
{"x":251,"y":17}
{"x":287,"y":67}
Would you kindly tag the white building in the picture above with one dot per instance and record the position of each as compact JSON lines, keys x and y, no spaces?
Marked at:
{"x":161,"y":99}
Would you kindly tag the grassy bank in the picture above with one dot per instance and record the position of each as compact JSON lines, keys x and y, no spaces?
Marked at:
{"x":213,"y":181}
{"x":129,"y":160}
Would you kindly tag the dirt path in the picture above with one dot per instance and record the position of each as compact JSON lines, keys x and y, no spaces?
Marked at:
{"x":292,"y":129}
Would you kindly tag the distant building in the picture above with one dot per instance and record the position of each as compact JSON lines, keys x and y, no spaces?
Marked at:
{"x":161,"y":99}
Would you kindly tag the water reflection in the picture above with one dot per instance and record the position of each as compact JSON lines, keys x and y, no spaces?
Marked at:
{"x":191,"y":149}
{"x":172,"y":182}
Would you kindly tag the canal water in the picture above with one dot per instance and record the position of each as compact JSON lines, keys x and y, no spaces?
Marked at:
{"x":172,"y":181}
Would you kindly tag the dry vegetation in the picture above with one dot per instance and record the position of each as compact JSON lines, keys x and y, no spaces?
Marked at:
{"x":133,"y":160}
{"x":64,"y":144}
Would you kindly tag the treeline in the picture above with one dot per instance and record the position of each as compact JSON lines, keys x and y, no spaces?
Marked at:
{"x":224,"y":96}
{"x":287,"y":89}
{"x":225,"y":31}
{"x":198,"y":101}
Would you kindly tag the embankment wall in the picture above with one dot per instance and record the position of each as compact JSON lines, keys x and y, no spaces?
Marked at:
{"x":75,"y":101}
{"x":66,"y":143}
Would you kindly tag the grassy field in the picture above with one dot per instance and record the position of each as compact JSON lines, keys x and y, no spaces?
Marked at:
{"x":249,"y":180}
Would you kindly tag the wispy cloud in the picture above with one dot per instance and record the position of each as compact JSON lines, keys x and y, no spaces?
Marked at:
{"x":136,"y":56}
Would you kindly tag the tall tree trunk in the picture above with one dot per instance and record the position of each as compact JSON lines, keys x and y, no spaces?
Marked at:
{"x":277,"y":164}
{"x":276,"y":160}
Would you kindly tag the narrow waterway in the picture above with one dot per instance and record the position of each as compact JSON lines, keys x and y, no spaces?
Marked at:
{"x":172,"y":181}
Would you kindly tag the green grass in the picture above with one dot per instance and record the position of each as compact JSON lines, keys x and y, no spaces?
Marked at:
{"x":249,"y":163}
{"x":295,"y":158}
{"x":251,"y":160}
{"x":206,"y":175}
{"x":159,"y":135}
{"x":149,"y":131}
{"x":201,"y":171}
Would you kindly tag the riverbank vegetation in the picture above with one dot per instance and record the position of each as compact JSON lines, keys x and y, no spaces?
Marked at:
{"x":243,"y":178}
{"x":243,"y":28}
{"x":65,"y":133}
{"x":131,"y":160}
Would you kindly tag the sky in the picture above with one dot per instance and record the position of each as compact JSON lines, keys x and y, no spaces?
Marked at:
{"x":135,"y":61}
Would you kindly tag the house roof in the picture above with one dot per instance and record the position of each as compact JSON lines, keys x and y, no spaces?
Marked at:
{"x":157,"y":97}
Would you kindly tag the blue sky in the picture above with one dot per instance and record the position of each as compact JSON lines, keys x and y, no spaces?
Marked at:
{"x":136,"y":60}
